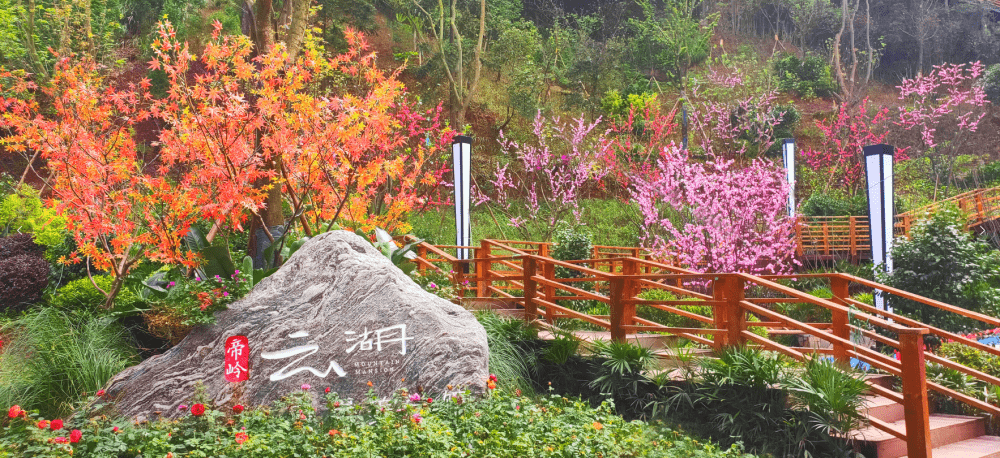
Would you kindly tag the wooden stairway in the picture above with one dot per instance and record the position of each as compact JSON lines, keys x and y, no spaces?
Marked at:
{"x":952,"y":436}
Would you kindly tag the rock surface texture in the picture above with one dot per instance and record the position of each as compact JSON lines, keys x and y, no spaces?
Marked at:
{"x":338,"y":314}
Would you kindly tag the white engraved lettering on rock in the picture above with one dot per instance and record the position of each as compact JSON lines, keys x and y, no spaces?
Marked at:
{"x":384,"y":336}
{"x":305,"y":351}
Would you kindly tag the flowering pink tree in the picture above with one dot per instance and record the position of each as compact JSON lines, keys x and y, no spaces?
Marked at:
{"x":839,"y":160}
{"x":714,"y":216}
{"x":944,"y":107}
{"x":543,"y":182}
{"x":736,"y":129}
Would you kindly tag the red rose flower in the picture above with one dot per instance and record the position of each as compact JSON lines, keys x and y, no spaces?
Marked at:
{"x":100,"y":393}
{"x":43,"y":424}
{"x":75,"y":435}
{"x":241,"y":437}
{"x":14,"y":411}
{"x":115,"y":429}
{"x":238,"y":408}
{"x":198,"y":410}
{"x":57,"y":424}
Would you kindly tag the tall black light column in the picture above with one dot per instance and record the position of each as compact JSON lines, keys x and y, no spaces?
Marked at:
{"x":878,"y":174}
{"x":788,"y":154}
{"x":461,"y":152}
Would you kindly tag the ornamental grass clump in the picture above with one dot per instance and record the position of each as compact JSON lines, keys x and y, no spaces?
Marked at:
{"x":50,"y":361}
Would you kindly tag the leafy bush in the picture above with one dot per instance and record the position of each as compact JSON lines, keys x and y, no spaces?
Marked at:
{"x":809,"y":77}
{"x":501,"y":425}
{"x":828,"y":399}
{"x":51,"y":362}
{"x":81,"y":296}
{"x":22,"y":279}
{"x":23,"y":211}
{"x":618,"y":107}
{"x":835,"y":203}
{"x":991,"y":83}
{"x":179,"y":303}
{"x":759,"y":398}
{"x":19,"y":244}
{"x":436,"y":282}
{"x":572,"y":244}
{"x":943,"y":261}
{"x":970,"y":357}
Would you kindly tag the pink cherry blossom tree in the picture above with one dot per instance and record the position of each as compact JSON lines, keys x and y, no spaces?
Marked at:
{"x":839,"y":160}
{"x":541,"y":183}
{"x":944,"y":107}
{"x":716,"y":216}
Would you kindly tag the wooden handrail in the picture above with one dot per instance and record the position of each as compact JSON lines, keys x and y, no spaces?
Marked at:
{"x":501,"y":267}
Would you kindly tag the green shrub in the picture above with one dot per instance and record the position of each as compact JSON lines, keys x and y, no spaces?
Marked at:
{"x":52,"y":361}
{"x":943,"y":261}
{"x":82,"y":297}
{"x":991,"y":83}
{"x":835,"y":203}
{"x":24,"y":212}
{"x":827,"y":399}
{"x":770,"y":405}
{"x":572,"y":243}
{"x":809,"y":77}
{"x":970,"y":357}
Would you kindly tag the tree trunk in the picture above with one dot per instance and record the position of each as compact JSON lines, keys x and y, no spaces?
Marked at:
{"x":297,"y":27}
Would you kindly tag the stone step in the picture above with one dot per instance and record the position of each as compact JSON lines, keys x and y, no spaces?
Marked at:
{"x":978,"y":447}
{"x":883,"y":408}
{"x":945,"y":430}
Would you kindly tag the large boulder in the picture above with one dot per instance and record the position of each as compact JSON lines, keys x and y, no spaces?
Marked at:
{"x":338,"y":314}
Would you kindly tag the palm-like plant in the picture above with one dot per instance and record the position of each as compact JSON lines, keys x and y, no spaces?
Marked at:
{"x":621,"y":373}
{"x":830,"y":399}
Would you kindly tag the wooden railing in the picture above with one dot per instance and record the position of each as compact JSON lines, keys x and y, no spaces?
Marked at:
{"x":840,"y":236}
{"x":522,"y":273}
{"x":981,"y":206}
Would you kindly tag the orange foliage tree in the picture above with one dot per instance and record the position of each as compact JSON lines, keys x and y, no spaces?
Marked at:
{"x":118,"y":214}
{"x":341,"y":138}
{"x":345,"y":141}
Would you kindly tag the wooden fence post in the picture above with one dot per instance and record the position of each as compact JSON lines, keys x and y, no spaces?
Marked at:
{"x":911,"y":354}
{"x":616,"y":296}
{"x":840,"y":320}
{"x":422,"y":254}
{"x":629,"y":290}
{"x":530,"y":287}
{"x":549,"y":273}
{"x":483,"y":268}
{"x":458,"y":269}
{"x":729,"y":315}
